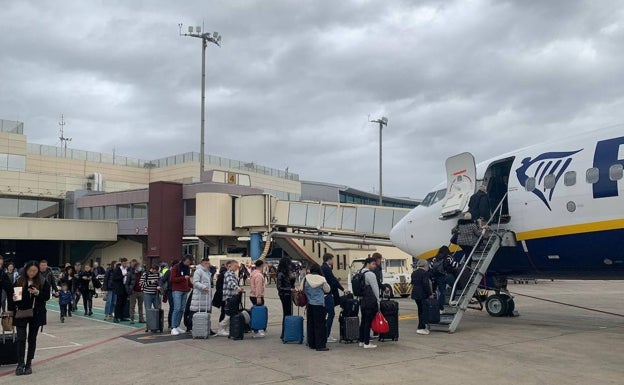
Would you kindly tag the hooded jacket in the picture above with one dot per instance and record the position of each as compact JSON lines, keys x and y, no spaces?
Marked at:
{"x":257,"y":284}
{"x":201,"y":300}
{"x":316,"y":287}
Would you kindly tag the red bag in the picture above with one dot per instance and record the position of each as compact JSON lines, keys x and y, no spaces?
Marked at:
{"x":380,"y":324}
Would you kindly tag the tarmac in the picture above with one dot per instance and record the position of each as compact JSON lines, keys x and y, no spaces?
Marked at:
{"x":548,"y":343}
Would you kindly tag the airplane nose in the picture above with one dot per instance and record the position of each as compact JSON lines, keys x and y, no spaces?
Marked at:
{"x":397,"y":237}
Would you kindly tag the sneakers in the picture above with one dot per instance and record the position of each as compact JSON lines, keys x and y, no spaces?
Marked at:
{"x":422,"y":331}
{"x":223,"y":333}
{"x":331,"y":340}
{"x":361,"y":344}
{"x":370,"y":346}
{"x":175,"y":332}
{"x":107,"y":317}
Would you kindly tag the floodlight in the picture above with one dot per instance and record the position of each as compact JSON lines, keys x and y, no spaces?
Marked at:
{"x":384,"y":120}
{"x":190,"y":29}
{"x":198,"y":29}
{"x":215,"y":34}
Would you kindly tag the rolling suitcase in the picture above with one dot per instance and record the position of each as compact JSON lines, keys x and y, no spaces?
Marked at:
{"x":154,"y":320}
{"x":349,"y":305}
{"x":293,"y":329}
{"x":390,"y":310}
{"x":349,"y":328}
{"x":259,"y":317}
{"x":8,"y":349}
{"x":237,"y":327}
{"x":201,"y":321}
{"x":431,"y":311}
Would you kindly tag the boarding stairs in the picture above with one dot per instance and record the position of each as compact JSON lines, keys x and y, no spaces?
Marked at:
{"x":475,"y":267}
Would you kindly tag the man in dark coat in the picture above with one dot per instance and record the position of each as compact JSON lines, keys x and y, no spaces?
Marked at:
{"x":333,"y":298}
{"x":120,"y":277}
{"x":479,"y":205}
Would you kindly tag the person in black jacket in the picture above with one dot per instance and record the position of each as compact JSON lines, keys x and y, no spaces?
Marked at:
{"x":333,"y":298}
{"x":85,"y":285}
{"x":285,"y":286}
{"x":421,"y":290}
{"x":35,"y":294}
{"x":6,"y":290}
{"x":119,"y":283}
{"x":479,"y":205}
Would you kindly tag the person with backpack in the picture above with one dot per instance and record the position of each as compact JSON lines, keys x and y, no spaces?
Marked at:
{"x":421,"y":290}
{"x":165,"y":289}
{"x":442,"y":271}
{"x":364,"y":285}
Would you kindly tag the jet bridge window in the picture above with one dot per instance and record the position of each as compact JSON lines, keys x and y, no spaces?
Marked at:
{"x":593,"y":175}
{"x":549,"y":181}
{"x":530,"y":184}
{"x":569,"y":179}
{"x":616,"y":172}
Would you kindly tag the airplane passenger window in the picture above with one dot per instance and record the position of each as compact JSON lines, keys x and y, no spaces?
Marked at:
{"x":530,"y":184}
{"x":616,"y":172}
{"x":593,"y":175}
{"x":569,"y":179}
{"x":549,"y":181}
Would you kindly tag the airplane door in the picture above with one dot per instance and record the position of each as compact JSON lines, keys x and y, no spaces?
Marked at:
{"x":461,"y":183}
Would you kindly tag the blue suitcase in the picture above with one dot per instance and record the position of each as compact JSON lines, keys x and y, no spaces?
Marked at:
{"x":293,"y":329}
{"x":259,"y":317}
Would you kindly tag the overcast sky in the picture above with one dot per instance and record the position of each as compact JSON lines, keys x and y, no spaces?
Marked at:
{"x":295,"y":81}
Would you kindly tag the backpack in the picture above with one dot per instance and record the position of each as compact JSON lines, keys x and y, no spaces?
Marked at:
{"x":437,"y":267}
{"x":358,"y":284}
{"x":164,"y":282}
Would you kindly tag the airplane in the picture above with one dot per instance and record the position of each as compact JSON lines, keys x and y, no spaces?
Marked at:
{"x":562,"y":201}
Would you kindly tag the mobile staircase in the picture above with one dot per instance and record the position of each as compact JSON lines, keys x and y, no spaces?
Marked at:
{"x":475,"y":267}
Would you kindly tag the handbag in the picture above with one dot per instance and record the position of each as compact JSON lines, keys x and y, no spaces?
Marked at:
{"x":25,"y":313}
{"x":380,"y":325}
{"x":7,"y":321}
{"x":299,"y":297}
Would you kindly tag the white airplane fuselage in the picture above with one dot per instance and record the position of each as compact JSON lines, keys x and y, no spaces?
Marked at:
{"x":565,"y":205}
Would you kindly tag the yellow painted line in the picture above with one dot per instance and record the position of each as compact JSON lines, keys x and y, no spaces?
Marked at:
{"x":407,"y":317}
{"x":615,"y":224}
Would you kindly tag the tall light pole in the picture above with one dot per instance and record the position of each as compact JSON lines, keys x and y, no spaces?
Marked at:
{"x":382,"y":122}
{"x":214,"y":38}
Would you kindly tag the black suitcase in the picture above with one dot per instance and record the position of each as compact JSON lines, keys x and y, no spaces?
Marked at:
{"x":237,"y":327}
{"x":349,"y":328}
{"x":349,"y":305}
{"x":431,"y":311}
{"x":8,"y":349}
{"x":390,"y":310}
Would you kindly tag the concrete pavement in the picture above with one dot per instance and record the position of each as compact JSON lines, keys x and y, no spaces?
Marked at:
{"x":547,"y":344}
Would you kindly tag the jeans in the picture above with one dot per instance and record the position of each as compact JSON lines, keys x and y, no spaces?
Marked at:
{"x":179,"y":300}
{"x":316,"y":328}
{"x":151,"y":301}
{"x":331,"y":313}
{"x":365,"y":326}
{"x":111,"y":300}
{"x":443,"y":282}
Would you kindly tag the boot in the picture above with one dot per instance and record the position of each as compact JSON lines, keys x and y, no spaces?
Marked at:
{"x":28,"y":368}
{"x":19,"y":371}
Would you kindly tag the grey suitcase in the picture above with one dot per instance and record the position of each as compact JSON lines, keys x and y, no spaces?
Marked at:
{"x":154,"y":320}
{"x":201,"y":322}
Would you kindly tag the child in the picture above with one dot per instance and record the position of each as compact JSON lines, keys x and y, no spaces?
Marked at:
{"x":65,"y":299}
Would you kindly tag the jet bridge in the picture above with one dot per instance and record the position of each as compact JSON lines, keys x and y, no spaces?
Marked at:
{"x":223,"y":215}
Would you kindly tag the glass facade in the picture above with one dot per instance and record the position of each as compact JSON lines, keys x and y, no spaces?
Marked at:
{"x":29,"y":207}
{"x":9,"y":162}
{"x":346,"y":197}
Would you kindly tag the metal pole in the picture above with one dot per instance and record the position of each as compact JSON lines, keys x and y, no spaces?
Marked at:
{"x":380,"y":166}
{"x":203,"y":100}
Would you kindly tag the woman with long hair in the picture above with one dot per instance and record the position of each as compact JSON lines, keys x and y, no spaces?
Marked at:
{"x":35,"y":294}
{"x":285,"y":286}
{"x":85,"y":285}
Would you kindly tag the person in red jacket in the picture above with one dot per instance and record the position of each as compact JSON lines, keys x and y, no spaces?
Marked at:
{"x":181,"y":284}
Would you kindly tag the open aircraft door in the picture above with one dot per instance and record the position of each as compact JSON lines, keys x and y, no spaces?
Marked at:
{"x":461,"y":179}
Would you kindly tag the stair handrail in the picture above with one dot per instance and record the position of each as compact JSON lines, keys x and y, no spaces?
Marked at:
{"x":465,"y":260}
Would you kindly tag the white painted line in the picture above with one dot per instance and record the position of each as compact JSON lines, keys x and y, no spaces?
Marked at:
{"x":49,"y":335}
{"x":74,"y":344}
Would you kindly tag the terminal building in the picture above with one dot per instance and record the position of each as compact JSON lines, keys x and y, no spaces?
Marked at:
{"x":68,"y":205}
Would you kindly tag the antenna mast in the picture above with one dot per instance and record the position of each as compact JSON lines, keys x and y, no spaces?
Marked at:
{"x":63,"y":139}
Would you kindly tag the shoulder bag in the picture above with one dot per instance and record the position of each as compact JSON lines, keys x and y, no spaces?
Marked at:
{"x":25,"y":313}
{"x":299,"y":296}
